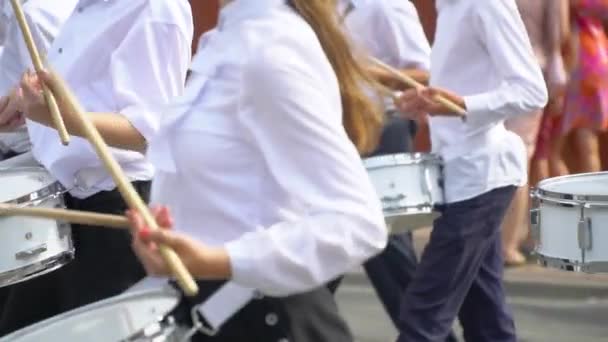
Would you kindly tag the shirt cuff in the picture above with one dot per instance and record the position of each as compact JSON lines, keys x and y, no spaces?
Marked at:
{"x":241,"y":261}
{"x":144,"y":120}
{"x":477,"y":108}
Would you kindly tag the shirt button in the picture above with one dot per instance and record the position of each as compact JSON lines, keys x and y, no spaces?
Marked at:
{"x":80,"y":9}
{"x":60,"y":50}
{"x":272,"y":319}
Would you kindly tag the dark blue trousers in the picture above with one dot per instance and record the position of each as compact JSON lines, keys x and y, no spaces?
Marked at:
{"x":460,"y":276}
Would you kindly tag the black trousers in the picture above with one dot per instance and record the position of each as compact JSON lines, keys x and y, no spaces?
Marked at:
{"x":308,"y":317}
{"x":460,"y":275}
{"x":104,"y":266}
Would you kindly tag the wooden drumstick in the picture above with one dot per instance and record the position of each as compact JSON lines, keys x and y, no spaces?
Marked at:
{"x":179,"y":271}
{"x":417,"y":85}
{"x":70,"y":216}
{"x":37,"y":62}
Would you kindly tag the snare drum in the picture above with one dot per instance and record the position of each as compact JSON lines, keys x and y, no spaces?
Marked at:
{"x":30,"y":247}
{"x":570,"y":222}
{"x":409,"y":185}
{"x":133,"y":316}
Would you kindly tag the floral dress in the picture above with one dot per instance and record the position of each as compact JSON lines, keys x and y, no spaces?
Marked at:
{"x":587,"y":92}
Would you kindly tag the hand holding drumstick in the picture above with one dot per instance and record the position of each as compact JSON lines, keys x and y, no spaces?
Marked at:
{"x":202,"y":261}
{"x":422,"y":100}
{"x":62,"y":92}
{"x":37,"y":62}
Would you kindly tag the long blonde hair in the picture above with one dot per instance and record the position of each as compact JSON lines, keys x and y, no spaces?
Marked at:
{"x":362,"y":115}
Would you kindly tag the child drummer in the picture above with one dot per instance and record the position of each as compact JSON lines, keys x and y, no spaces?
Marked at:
{"x":483,"y":61}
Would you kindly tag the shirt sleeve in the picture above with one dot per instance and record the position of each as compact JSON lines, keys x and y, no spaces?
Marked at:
{"x":522,"y":88}
{"x":15,"y":59}
{"x":291,"y":113}
{"x":148,"y":70}
{"x":404,"y":43}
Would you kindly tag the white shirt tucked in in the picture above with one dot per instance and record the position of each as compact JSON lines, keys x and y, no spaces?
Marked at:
{"x":45,"y":19}
{"x":254,"y":156}
{"x":127,"y":57}
{"x":482,"y":52}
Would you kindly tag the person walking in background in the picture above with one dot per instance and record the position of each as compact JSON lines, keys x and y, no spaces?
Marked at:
{"x":390,"y":30}
{"x":586,"y":102}
{"x":543,"y":24}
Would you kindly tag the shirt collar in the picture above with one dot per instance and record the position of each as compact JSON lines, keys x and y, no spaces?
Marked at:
{"x":239,"y":10}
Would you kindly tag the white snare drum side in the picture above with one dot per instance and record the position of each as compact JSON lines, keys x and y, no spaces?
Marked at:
{"x":568,"y":224}
{"x":31,"y":246}
{"x":409,"y":186}
{"x":115,"y":319}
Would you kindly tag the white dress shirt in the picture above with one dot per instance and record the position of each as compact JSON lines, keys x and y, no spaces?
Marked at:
{"x":389,"y":30}
{"x":482,"y":52}
{"x":127,"y":57}
{"x":45,"y":19}
{"x":255,"y":157}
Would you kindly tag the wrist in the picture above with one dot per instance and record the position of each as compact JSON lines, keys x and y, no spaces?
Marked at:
{"x":213,"y":263}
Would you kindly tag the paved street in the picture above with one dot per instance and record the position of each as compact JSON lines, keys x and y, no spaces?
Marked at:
{"x":538,"y":319}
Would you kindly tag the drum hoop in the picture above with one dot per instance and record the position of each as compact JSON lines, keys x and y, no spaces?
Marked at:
{"x":52,"y":190}
{"x":544,"y":194}
{"x":401,"y":159}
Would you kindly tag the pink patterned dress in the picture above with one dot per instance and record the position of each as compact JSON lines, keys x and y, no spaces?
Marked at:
{"x":587,"y":93}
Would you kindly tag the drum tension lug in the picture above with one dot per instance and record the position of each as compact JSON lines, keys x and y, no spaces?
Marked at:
{"x":585,"y":238}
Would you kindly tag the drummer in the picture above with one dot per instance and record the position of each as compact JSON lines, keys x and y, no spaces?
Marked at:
{"x":121,"y":57}
{"x":256,"y":165}
{"x":390,"y":30}
{"x":45,"y":19}
{"x":482,"y":60}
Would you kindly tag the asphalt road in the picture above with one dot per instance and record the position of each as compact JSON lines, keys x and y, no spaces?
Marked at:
{"x":538,"y":319}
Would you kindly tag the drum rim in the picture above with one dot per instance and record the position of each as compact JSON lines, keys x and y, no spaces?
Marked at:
{"x":401,"y":159}
{"x":52,"y":190}
{"x":93,"y":306}
{"x":541,"y":193}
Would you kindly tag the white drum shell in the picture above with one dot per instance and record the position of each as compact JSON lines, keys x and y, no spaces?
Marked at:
{"x":31,"y":246}
{"x":568,"y":207}
{"x":113,"y":319}
{"x":409,"y":186}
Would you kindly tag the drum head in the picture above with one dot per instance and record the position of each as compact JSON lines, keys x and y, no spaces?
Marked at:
{"x":589,"y":184}
{"x":113,"y":319}
{"x":18,"y":182}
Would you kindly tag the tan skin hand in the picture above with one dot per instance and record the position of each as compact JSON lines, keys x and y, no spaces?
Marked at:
{"x":115,"y":128}
{"x":202,"y":261}
{"x":416,"y":104}
{"x":11,"y":116}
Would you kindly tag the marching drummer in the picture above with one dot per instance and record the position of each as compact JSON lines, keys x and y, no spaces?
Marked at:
{"x":483,"y":61}
{"x":121,"y":58}
{"x":256,"y":166}
{"x":45,"y":20}
{"x":390,"y":30}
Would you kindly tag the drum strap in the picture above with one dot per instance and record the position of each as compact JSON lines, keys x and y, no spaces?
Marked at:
{"x":218,"y":308}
